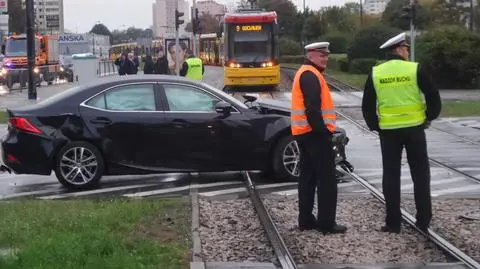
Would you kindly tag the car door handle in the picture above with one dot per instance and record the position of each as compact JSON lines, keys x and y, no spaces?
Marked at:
{"x":101,"y":120}
{"x":180,"y":123}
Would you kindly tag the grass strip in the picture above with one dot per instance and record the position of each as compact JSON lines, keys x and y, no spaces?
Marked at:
{"x":95,"y":234}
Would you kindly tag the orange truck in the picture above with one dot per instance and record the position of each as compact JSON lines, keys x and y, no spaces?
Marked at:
{"x":15,"y":63}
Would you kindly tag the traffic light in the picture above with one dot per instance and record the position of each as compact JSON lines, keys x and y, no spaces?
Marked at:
{"x":178,"y":20}
{"x":409,"y":12}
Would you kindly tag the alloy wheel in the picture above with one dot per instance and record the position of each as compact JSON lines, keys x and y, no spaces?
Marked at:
{"x":291,"y":158}
{"x":78,"y":165}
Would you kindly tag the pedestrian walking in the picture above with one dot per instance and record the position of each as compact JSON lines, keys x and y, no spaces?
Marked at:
{"x":393,"y":105}
{"x":313,"y":124}
{"x":149,"y":65}
{"x":161,"y":66}
{"x":193,"y":67}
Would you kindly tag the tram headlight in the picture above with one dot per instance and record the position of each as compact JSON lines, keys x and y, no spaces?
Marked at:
{"x":234,"y":65}
{"x":36,"y":70}
{"x":267,"y":64}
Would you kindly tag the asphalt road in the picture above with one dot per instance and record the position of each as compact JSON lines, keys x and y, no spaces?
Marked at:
{"x":363,"y":152}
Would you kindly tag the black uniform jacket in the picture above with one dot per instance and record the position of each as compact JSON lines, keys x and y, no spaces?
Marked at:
{"x":432,"y":98}
{"x":311,"y":89}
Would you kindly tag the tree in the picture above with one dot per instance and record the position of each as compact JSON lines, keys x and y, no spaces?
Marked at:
{"x":314,"y":27}
{"x":286,"y":11}
{"x":100,"y":29}
{"x":129,"y":35}
{"x":16,"y":19}
{"x":393,"y":15}
{"x":446,"y":12}
{"x":340,"y":19}
{"x":451,"y":54}
{"x":367,"y":41}
{"x":208,"y":23}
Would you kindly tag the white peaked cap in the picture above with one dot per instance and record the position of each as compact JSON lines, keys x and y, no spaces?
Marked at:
{"x":396,"y":40}
{"x":321,"y":46}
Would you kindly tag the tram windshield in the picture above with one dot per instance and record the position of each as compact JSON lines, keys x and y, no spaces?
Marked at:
{"x":251,"y":43}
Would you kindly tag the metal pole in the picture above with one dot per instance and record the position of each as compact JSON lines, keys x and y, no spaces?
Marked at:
{"x":412,"y":31}
{"x":177,"y":60}
{"x":194,"y":6}
{"x":472,"y":16}
{"x":361,"y":12}
{"x":303,"y":6}
{"x":32,"y":91}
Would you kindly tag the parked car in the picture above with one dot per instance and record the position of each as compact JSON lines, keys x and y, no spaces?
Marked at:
{"x":149,"y":124}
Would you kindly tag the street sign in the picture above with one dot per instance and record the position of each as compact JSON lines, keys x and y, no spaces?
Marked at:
{"x":3,"y":6}
{"x":53,"y":21}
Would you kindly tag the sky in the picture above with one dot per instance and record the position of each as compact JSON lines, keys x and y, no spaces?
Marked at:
{"x":81,"y":15}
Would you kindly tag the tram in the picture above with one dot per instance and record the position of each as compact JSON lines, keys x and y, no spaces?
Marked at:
{"x":210,"y":48}
{"x":250,"y":49}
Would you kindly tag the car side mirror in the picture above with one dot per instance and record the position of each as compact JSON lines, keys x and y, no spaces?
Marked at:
{"x":223,"y":107}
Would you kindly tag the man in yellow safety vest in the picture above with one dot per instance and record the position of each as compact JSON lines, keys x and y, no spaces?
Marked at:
{"x":394,"y":106}
{"x":193,"y":67}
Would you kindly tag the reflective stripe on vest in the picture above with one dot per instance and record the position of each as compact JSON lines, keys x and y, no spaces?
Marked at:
{"x":299,"y":122}
{"x":194,"y":68}
{"x":400,"y":101}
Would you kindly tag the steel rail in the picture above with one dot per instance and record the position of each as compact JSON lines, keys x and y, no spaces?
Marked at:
{"x":430,"y":234}
{"x":281,"y":251}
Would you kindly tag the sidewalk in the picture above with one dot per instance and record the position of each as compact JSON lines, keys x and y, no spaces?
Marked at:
{"x":17,"y":98}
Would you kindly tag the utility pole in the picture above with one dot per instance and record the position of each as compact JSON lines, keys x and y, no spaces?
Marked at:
{"x":413,"y":6}
{"x":194,"y":21}
{"x":472,"y":16}
{"x":32,"y":91}
{"x":361,"y":12}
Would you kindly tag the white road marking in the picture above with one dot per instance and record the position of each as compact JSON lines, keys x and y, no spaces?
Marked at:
{"x":467,"y":188}
{"x":16,"y":195}
{"x":169,"y":190}
{"x":435,"y":182}
{"x":85,"y":193}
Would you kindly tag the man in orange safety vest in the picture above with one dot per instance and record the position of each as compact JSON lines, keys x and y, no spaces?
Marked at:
{"x":313,"y":124}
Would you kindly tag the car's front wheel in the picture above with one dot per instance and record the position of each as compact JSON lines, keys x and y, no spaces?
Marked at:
{"x":286,"y":159}
{"x":79,"y":166}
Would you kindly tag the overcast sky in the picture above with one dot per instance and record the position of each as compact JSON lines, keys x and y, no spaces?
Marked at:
{"x":81,"y":15}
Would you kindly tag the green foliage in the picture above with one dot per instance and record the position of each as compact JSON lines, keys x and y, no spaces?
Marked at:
{"x":343,"y":65}
{"x":314,"y":27}
{"x":338,"y":42}
{"x":452,"y":56}
{"x":393,"y":15}
{"x":290,"y":47}
{"x":100,"y":29}
{"x":367,"y":41}
{"x":292,"y":59}
{"x":362,"y":66}
{"x":287,"y":13}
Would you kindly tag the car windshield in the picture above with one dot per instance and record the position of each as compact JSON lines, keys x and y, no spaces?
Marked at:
{"x":16,"y":47}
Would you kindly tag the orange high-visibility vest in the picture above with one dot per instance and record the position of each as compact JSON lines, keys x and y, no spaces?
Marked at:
{"x":299,"y":123}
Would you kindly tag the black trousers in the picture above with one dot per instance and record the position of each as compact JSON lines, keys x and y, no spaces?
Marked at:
{"x":392,"y":144}
{"x":317,"y":164}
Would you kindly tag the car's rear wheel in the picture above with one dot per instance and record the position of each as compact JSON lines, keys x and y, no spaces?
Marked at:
{"x":79,"y":166}
{"x":286,"y":159}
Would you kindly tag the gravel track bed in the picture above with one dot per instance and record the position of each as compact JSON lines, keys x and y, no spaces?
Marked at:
{"x":363,"y":243}
{"x":448,"y":223}
{"x":230,"y":231}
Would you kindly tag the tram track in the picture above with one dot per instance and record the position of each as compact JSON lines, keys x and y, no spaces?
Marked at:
{"x":438,"y":240}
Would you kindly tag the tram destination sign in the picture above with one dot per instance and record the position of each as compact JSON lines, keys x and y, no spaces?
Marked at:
{"x":249,"y":28}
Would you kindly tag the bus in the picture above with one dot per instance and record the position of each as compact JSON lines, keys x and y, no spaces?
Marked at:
{"x":250,"y":49}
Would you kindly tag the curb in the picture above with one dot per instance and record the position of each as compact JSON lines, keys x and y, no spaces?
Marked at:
{"x":197,"y":261}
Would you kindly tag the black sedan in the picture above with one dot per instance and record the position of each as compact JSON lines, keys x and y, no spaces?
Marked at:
{"x":145,"y":125}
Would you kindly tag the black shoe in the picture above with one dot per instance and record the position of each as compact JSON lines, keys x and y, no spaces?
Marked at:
{"x":422,"y":227}
{"x":387,"y":229}
{"x":336,"y":229}
{"x":311,"y":224}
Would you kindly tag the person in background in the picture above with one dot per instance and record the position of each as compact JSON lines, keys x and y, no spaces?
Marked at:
{"x":149,"y":65}
{"x":393,"y":105}
{"x":161,"y":66}
{"x":131,"y":66}
{"x":193,"y":67}
{"x":120,"y":62}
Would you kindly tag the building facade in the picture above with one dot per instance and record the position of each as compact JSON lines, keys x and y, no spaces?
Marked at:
{"x":211,"y":7}
{"x":375,"y":6}
{"x":164,"y":17}
{"x":48,"y":16}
